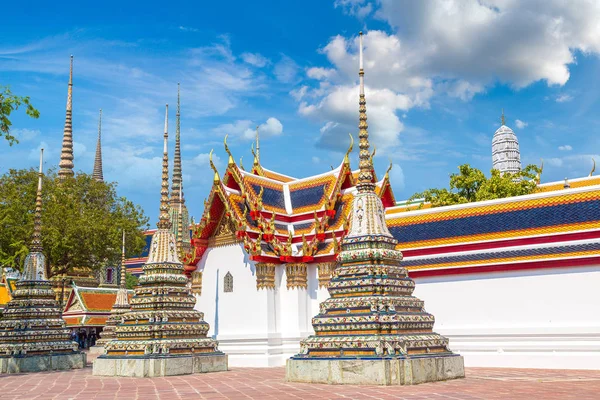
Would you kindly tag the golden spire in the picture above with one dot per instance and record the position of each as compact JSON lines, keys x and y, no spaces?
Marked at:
{"x":97,"y":173}
{"x":164,"y":222}
{"x":66,"y":155}
{"x":180,"y":226}
{"x":502,"y":119}
{"x":593,"y":167}
{"x":36,"y":239}
{"x":177,"y":176}
{"x":365,"y":176}
{"x":123,"y":268}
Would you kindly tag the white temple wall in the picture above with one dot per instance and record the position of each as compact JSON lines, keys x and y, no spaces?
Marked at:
{"x":254,"y":327}
{"x":528,"y":319}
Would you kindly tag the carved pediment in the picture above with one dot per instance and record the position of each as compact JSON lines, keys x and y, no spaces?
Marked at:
{"x":224,"y":234}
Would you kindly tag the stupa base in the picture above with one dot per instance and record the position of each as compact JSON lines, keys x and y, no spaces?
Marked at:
{"x":97,"y":349}
{"x":397,"y":371}
{"x":38,"y":363}
{"x":147,"y":367}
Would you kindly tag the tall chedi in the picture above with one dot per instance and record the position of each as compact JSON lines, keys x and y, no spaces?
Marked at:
{"x":372,"y":330}
{"x":97,"y":172}
{"x":162,"y":334}
{"x":177,"y":210}
{"x":120,"y":307}
{"x":66,"y":154}
{"x":33,"y":336}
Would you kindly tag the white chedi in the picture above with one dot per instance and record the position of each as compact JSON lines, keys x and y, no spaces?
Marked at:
{"x":505,"y":151}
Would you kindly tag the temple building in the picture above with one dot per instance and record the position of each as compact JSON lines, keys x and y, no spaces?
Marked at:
{"x":506,"y":156}
{"x":265,"y":247}
{"x":489,"y":271}
{"x":33,"y":336}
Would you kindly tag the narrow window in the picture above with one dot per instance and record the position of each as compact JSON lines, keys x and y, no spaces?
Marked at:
{"x":228,"y":285}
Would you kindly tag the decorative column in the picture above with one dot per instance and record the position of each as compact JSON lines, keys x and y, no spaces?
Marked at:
{"x":197,"y":282}
{"x":265,"y":275}
{"x":296,"y":275}
{"x":325,"y":273}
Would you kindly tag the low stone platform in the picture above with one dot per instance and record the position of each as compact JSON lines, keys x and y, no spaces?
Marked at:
{"x":98,"y":350}
{"x":38,"y":363}
{"x":409,"y":371}
{"x":146,"y":367}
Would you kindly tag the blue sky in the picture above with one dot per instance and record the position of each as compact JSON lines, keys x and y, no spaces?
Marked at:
{"x":438,"y":74}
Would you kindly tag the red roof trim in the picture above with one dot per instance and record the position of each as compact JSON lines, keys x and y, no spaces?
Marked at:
{"x":530,"y":265}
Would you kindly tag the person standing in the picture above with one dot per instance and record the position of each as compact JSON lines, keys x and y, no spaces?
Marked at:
{"x":82,"y":338}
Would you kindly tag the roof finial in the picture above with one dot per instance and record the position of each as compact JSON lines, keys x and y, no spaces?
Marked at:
{"x":593,"y":167}
{"x":502,"y":119}
{"x":164,"y":222}
{"x":66,"y":155}
{"x":36,"y":239}
{"x":257,"y":155}
{"x":97,"y":174}
{"x":177,"y":175}
{"x":365,"y":177}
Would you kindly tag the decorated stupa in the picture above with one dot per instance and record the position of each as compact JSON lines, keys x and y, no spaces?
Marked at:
{"x":506,"y":156}
{"x":372,"y":330}
{"x":162,"y":334}
{"x":33,"y":336}
{"x":120,"y":307}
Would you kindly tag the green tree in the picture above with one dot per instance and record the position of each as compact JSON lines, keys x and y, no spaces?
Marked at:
{"x":9,"y":103}
{"x":82,"y":221}
{"x":470,"y":184}
{"x":131,"y":281}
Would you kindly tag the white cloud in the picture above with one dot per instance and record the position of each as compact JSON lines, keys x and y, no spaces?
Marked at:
{"x":320,"y":73}
{"x":338,"y":111}
{"x":246,"y":129}
{"x":566,"y":147}
{"x":563,"y":98}
{"x":299,"y":93}
{"x":272,"y":127}
{"x":316,"y":160}
{"x":358,"y":8}
{"x":286,"y":69}
{"x":479,"y":41}
{"x":457,"y":48}
{"x":520,"y":124}
{"x":255,"y":59}
{"x":203,"y":159}
{"x":25,"y":135}
{"x":188,"y":29}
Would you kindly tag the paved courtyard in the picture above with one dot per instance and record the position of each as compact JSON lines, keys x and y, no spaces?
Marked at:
{"x":268,"y":383}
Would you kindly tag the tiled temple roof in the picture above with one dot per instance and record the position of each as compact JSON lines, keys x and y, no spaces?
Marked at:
{"x":90,"y":306}
{"x":543,"y":230}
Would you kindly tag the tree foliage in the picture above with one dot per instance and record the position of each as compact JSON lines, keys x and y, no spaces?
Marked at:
{"x":470,"y":184}
{"x":131,"y":281}
{"x":9,"y":103}
{"x":82,"y":221}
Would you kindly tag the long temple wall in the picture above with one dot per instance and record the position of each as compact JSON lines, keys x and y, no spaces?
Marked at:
{"x":543,"y":318}
{"x":512,"y":282}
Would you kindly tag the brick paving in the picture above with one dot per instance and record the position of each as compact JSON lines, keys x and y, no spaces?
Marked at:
{"x":268,"y":383}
